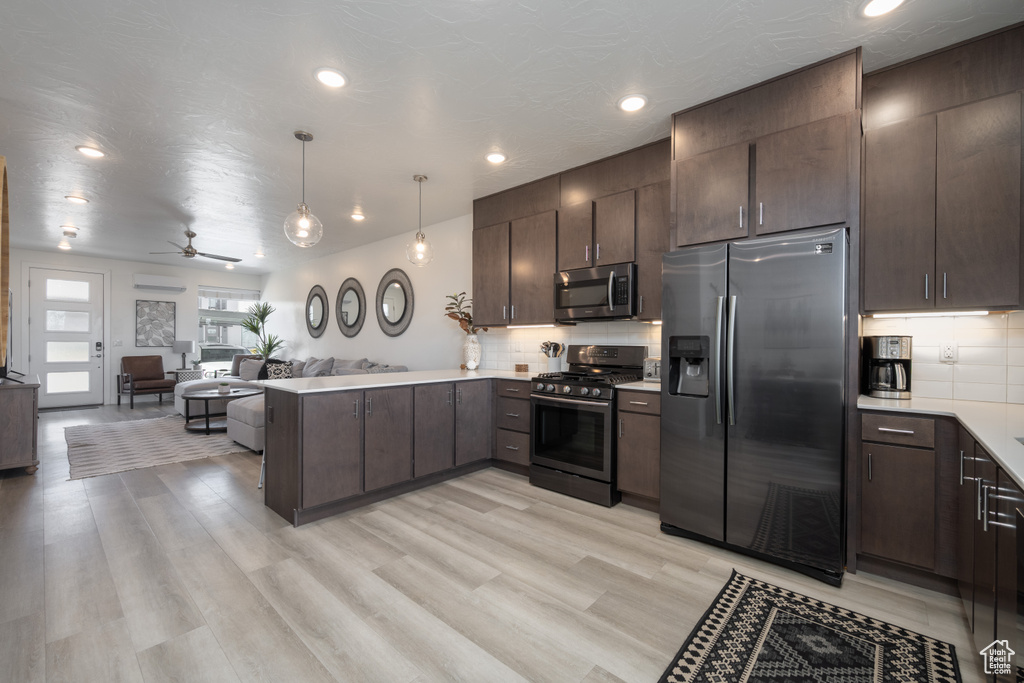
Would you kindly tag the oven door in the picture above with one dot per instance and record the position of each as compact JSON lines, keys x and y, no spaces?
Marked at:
{"x":572,"y":435}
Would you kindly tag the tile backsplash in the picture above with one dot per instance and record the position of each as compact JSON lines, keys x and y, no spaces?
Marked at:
{"x":503,"y":348}
{"x":990,"y":364}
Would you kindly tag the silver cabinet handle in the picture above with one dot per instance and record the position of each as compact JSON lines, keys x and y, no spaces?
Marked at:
{"x":620,"y":427}
{"x":270,"y":414}
{"x":943,"y":285}
{"x":504,"y":312}
{"x":355,"y":410}
{"x":449,"y":397}
{"x":611,"y":291}
{"x":512,"y":390}
{"x":458,"y":393}
{"x":597,"y":252}
{"x":641,"y":305}
{"x":369,"y":406}
{"x":512,"y":448}
{"x":741,"y":215}
{"x":730,"y":359}
{"x":869,"y":467}
{"x":638,"y":403}
{"x":926,"y":286}
{"x":512,"y":414}
{"x":984,"y":510}
{"x":896,"y":431}
{"x":992,"y":493}
{"x":760,"y":217}
{"x":718,"y":359}
{"x":977,"y":487}
{"x":586,"y":253}
{"x":513,"y":311}
{"x":961,"y":468}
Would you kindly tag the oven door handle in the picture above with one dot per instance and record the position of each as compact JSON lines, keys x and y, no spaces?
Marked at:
{"x":558,"y":399}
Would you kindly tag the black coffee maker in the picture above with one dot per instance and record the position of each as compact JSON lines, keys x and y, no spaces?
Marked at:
{"x":887,"y":366}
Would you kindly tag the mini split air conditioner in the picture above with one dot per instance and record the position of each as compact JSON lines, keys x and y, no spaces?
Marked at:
{"x":160,"y":282}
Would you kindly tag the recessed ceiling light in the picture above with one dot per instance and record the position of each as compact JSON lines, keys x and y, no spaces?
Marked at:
{"x":332,"y":78}
{"x":632,"y":102}
{"x":69,"y":230}
{"x":876,"y":8}
{"x":259,"y":254}
{"x":229,"y":266}
{"x":496,"y":157}
{"x":64,"y":244}
{"x":357,"y":217}
{"x":90,"y":151}
{"x":69,"y":227}
{"x":75,"y":199}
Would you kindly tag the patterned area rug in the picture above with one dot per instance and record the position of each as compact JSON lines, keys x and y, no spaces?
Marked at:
{"x":95,"y":450}
{"x":757,"y":632}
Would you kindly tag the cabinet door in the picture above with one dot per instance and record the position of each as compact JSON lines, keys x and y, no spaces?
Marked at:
{"x":639,"y":454}
{"x":387,"y":442}
{"x":332,"y":438}
{"x":434,"y":433}
{"x":897,"y":516}
{"x":473,"y":421}
{"x":18,"y":415}
{"x":984,"y":556}
{"x":491,"y":275}
{"x":711,"y":194}
{"x":512,"y":447}
{"x":514,"y":414}
{"x":801,"y":177}
{"x":652,"y":235}
{"x":575,"y":236}
{"x":615,"y":228}
{"x":967,"y":516}
{"x":899,"y":216}
{"x":977,"y":217}
{"x":282,"y":492}
{"x":532,"y":254}
{"x":1006,"y":508}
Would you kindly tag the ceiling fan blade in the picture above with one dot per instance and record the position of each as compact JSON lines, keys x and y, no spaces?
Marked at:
{"x":219,"y":258}
{"x":165,"y":252}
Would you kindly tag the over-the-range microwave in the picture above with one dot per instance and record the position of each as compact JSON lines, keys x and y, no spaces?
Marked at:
{"x":601,"y":293}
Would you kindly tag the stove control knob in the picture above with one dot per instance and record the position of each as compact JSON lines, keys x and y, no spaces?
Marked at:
{"x":595,"y":393}
{"x":566,"y":389}
{"x":584,"y":391}
{"x":540,"y":386}
{"x":550,"y":387}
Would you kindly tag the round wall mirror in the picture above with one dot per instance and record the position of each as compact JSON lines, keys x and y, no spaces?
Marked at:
{"x":351,"y":307}
{"x":316,"y":311}
{"x":394,"y":302}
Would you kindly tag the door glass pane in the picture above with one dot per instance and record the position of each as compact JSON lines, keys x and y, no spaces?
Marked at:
{"x":67,"y":321}
{"x":66,"y":290}
{"x":67,"y":352}
{"x":66,"y":382}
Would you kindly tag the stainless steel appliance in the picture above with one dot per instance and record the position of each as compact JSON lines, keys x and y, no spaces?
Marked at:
{"x":601,"y":293}
{"x":572,"y":449}
{"x":753,"y":398}
{"x":652,"y":369}
{"x":886,"y":366}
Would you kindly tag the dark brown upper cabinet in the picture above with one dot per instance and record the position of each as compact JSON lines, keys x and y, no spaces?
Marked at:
{"x":576,"y":236}
{"x":532,"y":269}
{"x":491,"y":275}
{"x":711,"y":196}
{"x":942,"y":222}
{"x":652,"y":240}
{"x":599,"y":232}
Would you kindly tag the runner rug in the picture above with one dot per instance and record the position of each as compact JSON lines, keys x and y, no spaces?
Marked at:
{"x":755,"y":631}
{"x":95,"y":450}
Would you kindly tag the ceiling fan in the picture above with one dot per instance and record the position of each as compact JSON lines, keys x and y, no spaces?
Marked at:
{"x":189,"y":251}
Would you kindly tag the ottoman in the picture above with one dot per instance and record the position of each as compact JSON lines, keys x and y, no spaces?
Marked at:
{"x":245,"y":422}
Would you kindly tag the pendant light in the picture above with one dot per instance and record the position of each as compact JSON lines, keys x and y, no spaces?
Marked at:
{"x":302,"y":228}
{"x":420,"y":253}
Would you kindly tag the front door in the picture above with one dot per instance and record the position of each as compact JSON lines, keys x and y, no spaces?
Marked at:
{"x":66,"y":336}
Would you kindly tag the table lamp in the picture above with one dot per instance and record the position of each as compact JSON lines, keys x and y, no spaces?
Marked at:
{"x":184,"y":347}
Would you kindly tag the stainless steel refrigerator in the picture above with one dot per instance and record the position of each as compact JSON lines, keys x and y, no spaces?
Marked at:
{"x":753,"y":397}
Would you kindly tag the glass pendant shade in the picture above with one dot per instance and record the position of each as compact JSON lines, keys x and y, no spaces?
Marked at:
{"x":302,"y":228}
{"x":419,"y":252}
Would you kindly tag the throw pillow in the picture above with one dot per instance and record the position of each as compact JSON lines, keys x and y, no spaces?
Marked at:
{"x":264,"y":374}
{"x":249,"y":369}
{"x":297,"y":366}
{"x":282,"y":370}
{"x":318,"y":368}
{"x":340,"y":364}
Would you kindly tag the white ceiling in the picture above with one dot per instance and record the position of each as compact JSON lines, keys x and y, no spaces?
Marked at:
{"x":195,"y":102}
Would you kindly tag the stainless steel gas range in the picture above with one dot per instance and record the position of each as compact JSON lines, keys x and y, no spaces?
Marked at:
{"x":572,"y":449}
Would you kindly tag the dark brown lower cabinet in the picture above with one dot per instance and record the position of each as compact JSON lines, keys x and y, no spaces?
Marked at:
{"x":638,"y":443}
{"x":969,"y":510}
{"x":332,"y":458}
{"x":984,"y":554}
{"x":387,"y":437}
{"x":434,"y":428}
{"x":897,"y":516}
{"x":473,"y":421}
{"x":512,"y":409}
{"x":1006,"y":510}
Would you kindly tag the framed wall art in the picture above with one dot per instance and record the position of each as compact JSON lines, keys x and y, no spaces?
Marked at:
{"x":154,"y":323}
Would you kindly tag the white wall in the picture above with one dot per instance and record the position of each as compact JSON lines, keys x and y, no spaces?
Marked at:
{"x":120,"y":321}
{"x":991,"y":355}
{"x":432,"y":341}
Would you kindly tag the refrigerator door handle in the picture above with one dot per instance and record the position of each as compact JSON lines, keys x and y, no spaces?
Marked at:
{"x":730,"y":360}
{"x":718,"y":361}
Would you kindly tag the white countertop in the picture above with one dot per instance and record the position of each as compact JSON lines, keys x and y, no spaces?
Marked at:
{"x":995,"y":426}
{"x":640,"y":386}
{"x":312,"y":385}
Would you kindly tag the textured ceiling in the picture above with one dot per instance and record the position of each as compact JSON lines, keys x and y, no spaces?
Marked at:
{"x":195,"y":103}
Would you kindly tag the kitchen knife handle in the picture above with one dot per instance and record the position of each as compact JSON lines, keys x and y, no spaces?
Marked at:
{"x":730,"y":360}
{"x":718,"y":359}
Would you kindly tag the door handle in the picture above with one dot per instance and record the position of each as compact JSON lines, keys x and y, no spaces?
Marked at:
{"x":597,"y":252}
{"x":369,"y":406}
{"x":586,"y":253}
{"x":926,"y":286}
{"x":730,"y":360}
{"x":449,"y":397}
{"x":620,"y":427}
{"x":458,"y":394}
{"x":869,"y":467}
{"x":741,"y":215}
{"x":611,"y":291}
{"x":943,"y":285}
{"x":504,"y":312}
{"x":718,"y":359}
{"x":513,"y":311}
{"x":355,"y":410}
{"x":760,"y":216}
{"x":641,"y":310}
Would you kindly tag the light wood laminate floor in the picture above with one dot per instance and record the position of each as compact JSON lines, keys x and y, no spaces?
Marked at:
{"x":179,"y":573}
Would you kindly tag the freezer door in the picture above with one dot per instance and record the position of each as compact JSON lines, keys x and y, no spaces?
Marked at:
{"x":692,"y":429}
{"x":785,"y":450}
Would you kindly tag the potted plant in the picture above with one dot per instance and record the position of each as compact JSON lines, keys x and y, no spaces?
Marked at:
{"x":223,"y":388}
{"x":460,"y":309}
{"x":256,"y":323}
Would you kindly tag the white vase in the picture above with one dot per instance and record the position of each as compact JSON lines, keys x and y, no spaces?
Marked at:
{"x":471,"y":352}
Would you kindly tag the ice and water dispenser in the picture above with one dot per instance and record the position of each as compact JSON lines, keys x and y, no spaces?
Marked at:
{"x":689,"y":365}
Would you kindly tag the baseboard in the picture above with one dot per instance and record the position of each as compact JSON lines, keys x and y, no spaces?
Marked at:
{"x":642,"y":502}
{"x":921,"y":578}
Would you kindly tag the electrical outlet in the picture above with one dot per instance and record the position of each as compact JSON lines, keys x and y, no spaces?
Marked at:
{"x":517,"y":347}
{"x":947,"y":352}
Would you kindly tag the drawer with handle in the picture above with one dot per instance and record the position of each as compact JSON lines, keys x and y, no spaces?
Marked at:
{"x":896,"y":429}
{"x":513,"y":413}
{"x":513,"y":388}
{"x":513,"y":447}
{"x":648,"y":402}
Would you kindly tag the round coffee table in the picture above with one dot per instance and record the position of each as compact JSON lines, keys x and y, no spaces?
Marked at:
{"x":207,"y":395}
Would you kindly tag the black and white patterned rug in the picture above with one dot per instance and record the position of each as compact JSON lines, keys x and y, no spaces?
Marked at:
{"x":757,"y":632}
